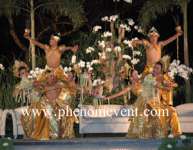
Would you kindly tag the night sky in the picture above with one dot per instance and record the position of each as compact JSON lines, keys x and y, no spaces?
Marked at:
{"x":95,"y":9}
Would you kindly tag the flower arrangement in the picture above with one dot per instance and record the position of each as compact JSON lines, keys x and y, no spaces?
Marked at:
{"x":96,"y":28}
{"x":1,"y":67}
{"x":177,"y":69}
{"x":105,"y":57}
{"x":7,"y":85}
{"x":33,"y":74}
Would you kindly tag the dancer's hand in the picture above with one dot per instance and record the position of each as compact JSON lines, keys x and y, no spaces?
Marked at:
{"x":179,"y":30}
{"x":135,"y":43}
{"x":37,"y":84}
{"x":75,"y":48}
{"x":27,"y":33}
{"x":106,"y":98}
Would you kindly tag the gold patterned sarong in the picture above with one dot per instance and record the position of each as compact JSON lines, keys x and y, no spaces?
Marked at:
{"x":171,"y":121}
{"x":167,"y":95}
{"x":145,"y":125}
{"x":147,"y":70}
{"x":46,"y":124}
{"x":58,"y":72}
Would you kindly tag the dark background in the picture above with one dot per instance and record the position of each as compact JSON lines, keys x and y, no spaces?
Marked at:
{"x":95,"y":9}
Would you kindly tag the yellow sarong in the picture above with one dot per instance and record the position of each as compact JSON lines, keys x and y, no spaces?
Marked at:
{"x":48,"y":126}
{"x":58,"y":72}
{"x":147,"y":70}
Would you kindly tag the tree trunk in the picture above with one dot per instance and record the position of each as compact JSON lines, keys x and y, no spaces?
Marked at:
{"x":186,"y":55}
{"x":16,"y":38}
{"x":32,"y":16}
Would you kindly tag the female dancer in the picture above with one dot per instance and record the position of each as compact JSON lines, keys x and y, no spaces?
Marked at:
{"x":142,"y":124}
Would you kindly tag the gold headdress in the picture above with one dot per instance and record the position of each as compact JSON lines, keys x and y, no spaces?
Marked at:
{"x":153,"y":31}
{"x":17,"y":65}
{"x":56,"y":36}
{"x":125,"y":68}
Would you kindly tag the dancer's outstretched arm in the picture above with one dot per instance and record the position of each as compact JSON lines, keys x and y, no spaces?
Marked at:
{"x":36,"y":43}
{"x":144,"y":42}
{"x":64,"y":48}
{"x":124,"y":91}
{"x":171,"y":39}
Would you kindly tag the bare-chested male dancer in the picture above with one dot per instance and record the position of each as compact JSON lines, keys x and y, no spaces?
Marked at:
{"x":154,"y":47}
{"x":53,"y":52}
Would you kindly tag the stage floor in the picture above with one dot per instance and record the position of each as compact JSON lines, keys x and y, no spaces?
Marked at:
{"x":113,"y":143}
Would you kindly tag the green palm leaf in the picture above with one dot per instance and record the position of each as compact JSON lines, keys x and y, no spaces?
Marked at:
{"x":152,"y":9}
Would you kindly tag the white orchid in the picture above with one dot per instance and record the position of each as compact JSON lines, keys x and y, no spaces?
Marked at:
{"x":128,"y":28}
{"x":73,"y":59}
{"x":116,"y":0}
{"x":113,"y":18}
{"x":31,"y":72}
{"x":35,"y":73}
{"x":37,"y":69}
{"x":131,"y":22}
{"x":101,"y":44}
{"x":135,"y":38}
{"x":126,"y":57}
{"x":30,"y":77}
{"x":118,"y":48}
{"x":108,"y":49}
{"x":94,"y":83}
{"x":136,"y":53}
{"x":82,"y":64}
{"x":95,"y":61}
{"x":135,"y":61}
{"x":140,"y":30}
{"x":89,"y":50}
{"x":90,"y":69}
{"x":124,"y":26}
{"x":126,"y":42}
{"x":97,"y":82}
{"x":129,"y":43}
{"x":107,"y":34}
{"x":96,"y":28}
{"x":106,"y":18}
{"x":181,"y":70}
{"x":128,"y":1}
{"x":136,"y":27}
{"x":67,"y":69}
{"x":88,"y":64}
{"x":2,"y":67}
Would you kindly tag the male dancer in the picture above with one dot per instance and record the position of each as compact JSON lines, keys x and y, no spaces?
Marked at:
{"x":53,"y":53}
{"x":154,"y":47}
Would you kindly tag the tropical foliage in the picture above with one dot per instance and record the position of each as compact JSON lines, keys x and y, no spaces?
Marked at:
{"x":152,"y":9}
{"x":68,"y":12}
{"x":6,"y":144}
{"x":7,"y":85}
{"x":181,"y":143}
